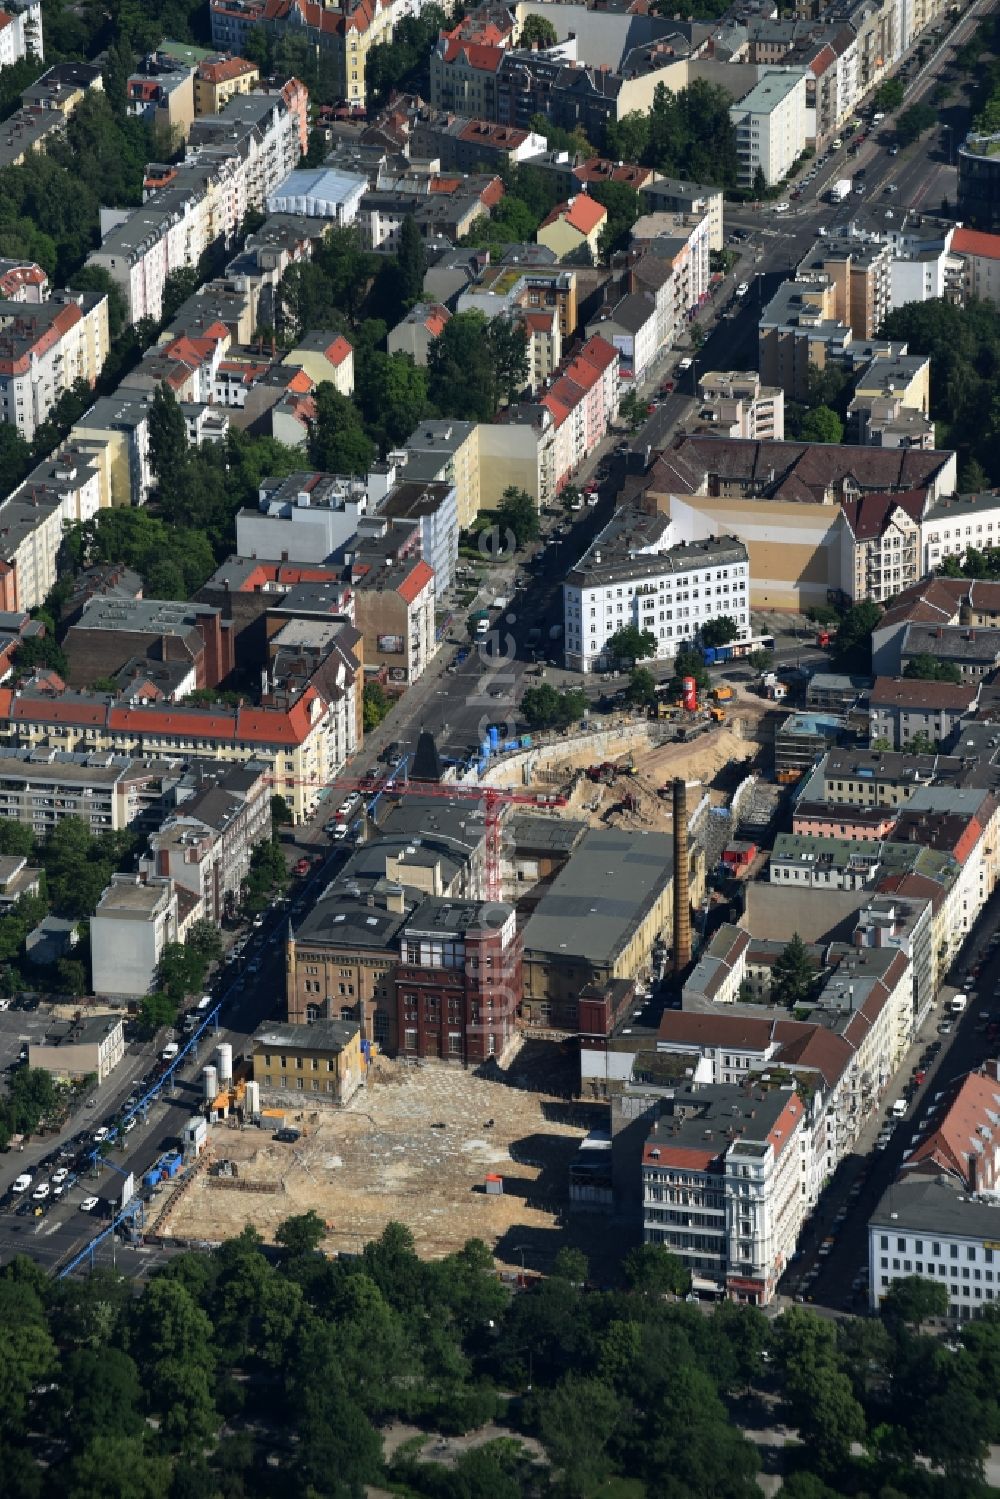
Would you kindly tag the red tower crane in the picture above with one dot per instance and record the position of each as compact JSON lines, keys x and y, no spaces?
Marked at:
{"x":493,"y":799}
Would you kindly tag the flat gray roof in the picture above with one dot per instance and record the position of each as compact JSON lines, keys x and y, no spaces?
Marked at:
{"x":598,"y":899}
{"x":923,"y":1204}
{"x":322,"y":1035}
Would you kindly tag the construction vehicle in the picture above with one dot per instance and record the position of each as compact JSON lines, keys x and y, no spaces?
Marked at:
{"x":722,"y":694}
{"x":717,"y":715}
{"x":602,"y":774}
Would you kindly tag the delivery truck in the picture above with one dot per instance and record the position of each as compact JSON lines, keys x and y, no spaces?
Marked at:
{"x":839,"y":190}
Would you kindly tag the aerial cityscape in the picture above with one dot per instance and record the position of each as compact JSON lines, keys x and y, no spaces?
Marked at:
{"x":499,"y":749}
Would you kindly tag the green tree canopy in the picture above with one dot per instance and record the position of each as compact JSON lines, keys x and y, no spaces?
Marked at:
{"x":821,"y":425}
{"x":929,"y":668}
{"x":537,"y":31}
{"x":793,"y":974}
{"x":517,"y":514}
{"x":474,"y":364}
{"x":852,"y":649}
{"x":631,"y":644}
{"x":721,"y":630}
{"x":338,"y":442}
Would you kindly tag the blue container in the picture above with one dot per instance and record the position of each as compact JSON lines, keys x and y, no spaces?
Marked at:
{"x":494,"y":737}
{"x":172,"y":1164}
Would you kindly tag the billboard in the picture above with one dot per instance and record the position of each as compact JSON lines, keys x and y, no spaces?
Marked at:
{"x":389,"y":645}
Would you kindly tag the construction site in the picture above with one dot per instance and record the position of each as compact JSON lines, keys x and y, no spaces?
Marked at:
{"x":452,"y":1155}
{"x":628,"y":783}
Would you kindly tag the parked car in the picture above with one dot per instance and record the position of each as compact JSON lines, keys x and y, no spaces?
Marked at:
{"x":89,"y":1204}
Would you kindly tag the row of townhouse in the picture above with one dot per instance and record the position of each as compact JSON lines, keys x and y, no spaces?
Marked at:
{"x":342,"y":36}
{"x":304,"y":739}
{"x":233,"y":161}
{"x":900,"y":822}
{"x":193,"y":869}
{"x":737,"y":1155}
{"x":45,"y":347}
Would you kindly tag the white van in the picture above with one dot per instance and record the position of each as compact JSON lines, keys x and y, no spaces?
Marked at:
{"x":898,"y":1110}
{"x":958,"y":1004}
{"x":203,"y":1003}
{"x":169,"y":1051}
{"x":482,"y":628}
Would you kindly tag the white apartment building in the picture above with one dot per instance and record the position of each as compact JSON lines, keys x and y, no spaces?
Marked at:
{"x":64,"y":489}
{"x":951,"y":526}
{"x":44,"y":348}
{"x":631,"y":575}
{"x":234,"y":161}
{"x":771,"y":125}
{"x":721,"y":1185}
{"x":20,"y":31}
{"x":939,"y":1218}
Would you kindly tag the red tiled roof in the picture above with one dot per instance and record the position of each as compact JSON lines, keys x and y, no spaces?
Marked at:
{"x":969,"y":1119}
{"x":437,"y":320}
{"x":226,"y":68}
{"x":506,"y":136}
{"x":812,"y":1046}
{"x":486,"y":59}
{"x":269,"y":726}
{"x":976,"y":242}
{"x":690,"y":1158}
{"x":339,"y":350}
{"x":598,"y":352}
{"x":28,"y":274}
{"x":559,"y":411}
{"x":582,"y":213}
{"x":416,"y":579}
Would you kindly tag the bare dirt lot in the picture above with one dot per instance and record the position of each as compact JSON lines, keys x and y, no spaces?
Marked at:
{"x":415,"y":1147}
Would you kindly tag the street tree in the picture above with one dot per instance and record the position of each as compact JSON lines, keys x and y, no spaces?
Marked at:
{"x":760,"y":660}
{"x":721,"y":630}
{"x":632,"y":411}
{"x":631,"y":644}
{"x":518,"y":513}
{"x":914,"y":122}
{"x":571,"y":1264}
{"x":852,"y":649}
{"x":641,"y":689}
{"x":653,"y":1271}
{"x":912,"y":1300}
{"x":890,"y":95}
{"x":689,"y":662}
